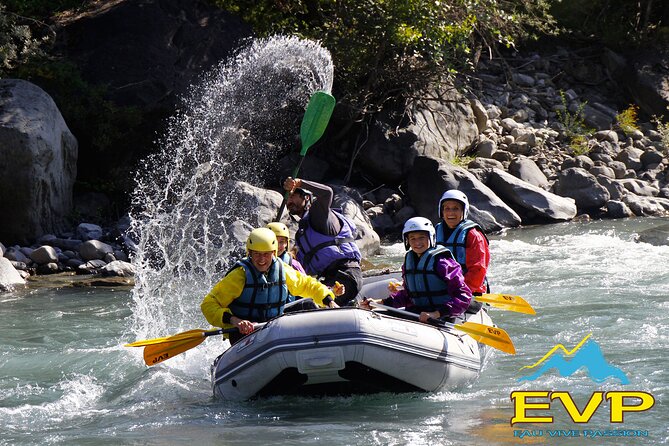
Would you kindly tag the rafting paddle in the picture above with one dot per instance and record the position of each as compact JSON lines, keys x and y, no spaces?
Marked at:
{"x":502,"y":301}
{"x":158,"y":350}
{"x":507,"y":302}
{"x":315,"y":120}
{"x":493,"y":336}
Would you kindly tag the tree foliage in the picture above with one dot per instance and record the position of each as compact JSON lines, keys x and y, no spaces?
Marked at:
{"x":386,"y":50}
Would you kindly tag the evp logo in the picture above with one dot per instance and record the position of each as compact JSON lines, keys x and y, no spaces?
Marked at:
{"x":585,"y":355}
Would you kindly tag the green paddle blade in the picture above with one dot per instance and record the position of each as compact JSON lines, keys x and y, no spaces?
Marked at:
{"x":316,"y":119}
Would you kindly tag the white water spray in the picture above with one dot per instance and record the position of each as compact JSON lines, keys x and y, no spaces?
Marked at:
{"x":234,"y":125}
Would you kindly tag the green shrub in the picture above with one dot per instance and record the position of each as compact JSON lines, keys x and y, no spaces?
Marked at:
{"x":575,"y":128}
{"x":627,"y":120}
{"x":389,"y":50}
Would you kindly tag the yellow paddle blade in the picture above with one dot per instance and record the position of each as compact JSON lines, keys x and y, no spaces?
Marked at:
{"x":157,"y":353}
{"x":507,"y":302}
{"x":493,"y":336}
{"x":186,"y":335}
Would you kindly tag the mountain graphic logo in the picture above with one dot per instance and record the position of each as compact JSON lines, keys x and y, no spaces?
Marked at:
{"x":587,"y":354}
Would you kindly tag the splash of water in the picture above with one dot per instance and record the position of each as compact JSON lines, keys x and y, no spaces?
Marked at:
{"x":233,"y":126}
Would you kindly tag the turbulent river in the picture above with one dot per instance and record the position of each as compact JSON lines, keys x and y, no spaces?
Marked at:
{"x":65,"y":377}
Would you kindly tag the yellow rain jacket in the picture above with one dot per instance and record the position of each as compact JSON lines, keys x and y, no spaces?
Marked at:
{"x":218,"y":300}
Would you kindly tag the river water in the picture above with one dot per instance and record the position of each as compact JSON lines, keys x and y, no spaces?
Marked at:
{"x":65,"y":377}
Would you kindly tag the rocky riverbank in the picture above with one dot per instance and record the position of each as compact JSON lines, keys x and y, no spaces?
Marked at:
{"x":531,"y":138}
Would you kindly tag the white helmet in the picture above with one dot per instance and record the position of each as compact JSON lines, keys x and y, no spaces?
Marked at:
{"x":418,"y":224}
{"x":456,"y":195}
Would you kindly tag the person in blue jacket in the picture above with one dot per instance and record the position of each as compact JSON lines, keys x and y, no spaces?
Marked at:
{"x":432,"y":282}
{"x":325,"y":239}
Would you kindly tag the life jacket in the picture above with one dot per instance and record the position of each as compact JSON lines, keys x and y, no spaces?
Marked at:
{"x":264,"y":295}
{"x":424,"y":286}
{"x":457,"y":241}
{"x":288,"y":260}
{"x":319,"y":251}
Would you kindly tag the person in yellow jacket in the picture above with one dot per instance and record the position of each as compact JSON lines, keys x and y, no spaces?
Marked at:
{"x":258,"y":287}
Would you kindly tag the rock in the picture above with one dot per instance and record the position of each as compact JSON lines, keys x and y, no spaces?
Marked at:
{"x":9,"y":276}
{"x":94,"y":250}
{"x":486,"y":148}
{"x":479,"y":114}
{"x":431,"y":177}
{"x":39,"y":164}
{"x":117,"y":268}
{"x":658,"y":236}
{"x":607,"y":135}
{"x":14,"y":253}
{"x":44,"y":255}
{"x":530,"y":202}
{"x":47,"y":268}
{"x":484,"y":163}
{"x":647,"y":206}
{"x":583,"y":187}
{"x":631,"y":157}
{"x":403,"y":215}
{"x":91,"y":267}
{"x":618,"y":209}
{"x":639,"y":187}
{"x":89,"y":231}
{"x":650,"y":157}
{"x":439,"y":128}
{"x":527,"y":170}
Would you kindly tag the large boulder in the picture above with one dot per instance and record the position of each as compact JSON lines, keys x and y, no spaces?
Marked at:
{"x":577,"y":183}
{"x":440,"y":127}
{"x":431,"y":177}
{"x":532,"y":203}
{"x":9,"y":277}
{"x":38,"y":163}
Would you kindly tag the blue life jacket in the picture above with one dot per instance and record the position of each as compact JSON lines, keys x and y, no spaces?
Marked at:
{"x":457,"y":240}
{"x":319,"y":251}
{"x":264,"y":295}
{"x":288,"y":260}
{"x":424,"y":286}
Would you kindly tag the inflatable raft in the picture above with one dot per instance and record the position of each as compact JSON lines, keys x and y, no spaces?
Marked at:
{"x":348,"y":351}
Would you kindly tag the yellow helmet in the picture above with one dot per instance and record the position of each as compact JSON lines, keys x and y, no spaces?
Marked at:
{"x":279,"y":229}
{"x":262,"y":240}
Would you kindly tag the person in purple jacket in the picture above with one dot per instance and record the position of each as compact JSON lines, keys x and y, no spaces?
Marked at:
{"x":433,"y":283}
{"x":325,"y":239}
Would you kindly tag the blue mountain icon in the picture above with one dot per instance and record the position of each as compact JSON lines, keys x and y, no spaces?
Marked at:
{"x":589,"y":356}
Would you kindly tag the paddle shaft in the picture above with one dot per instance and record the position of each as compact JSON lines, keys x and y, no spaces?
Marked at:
{"x":413,"y":315}
{"x":504,"y":302}
{"x":493,"y":336}
{"x":287,"y":193}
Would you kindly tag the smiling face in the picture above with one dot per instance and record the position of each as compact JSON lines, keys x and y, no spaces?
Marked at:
{"x":419,"y":241}
{"x":261,"y":260}
{"x":452,"y":211}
